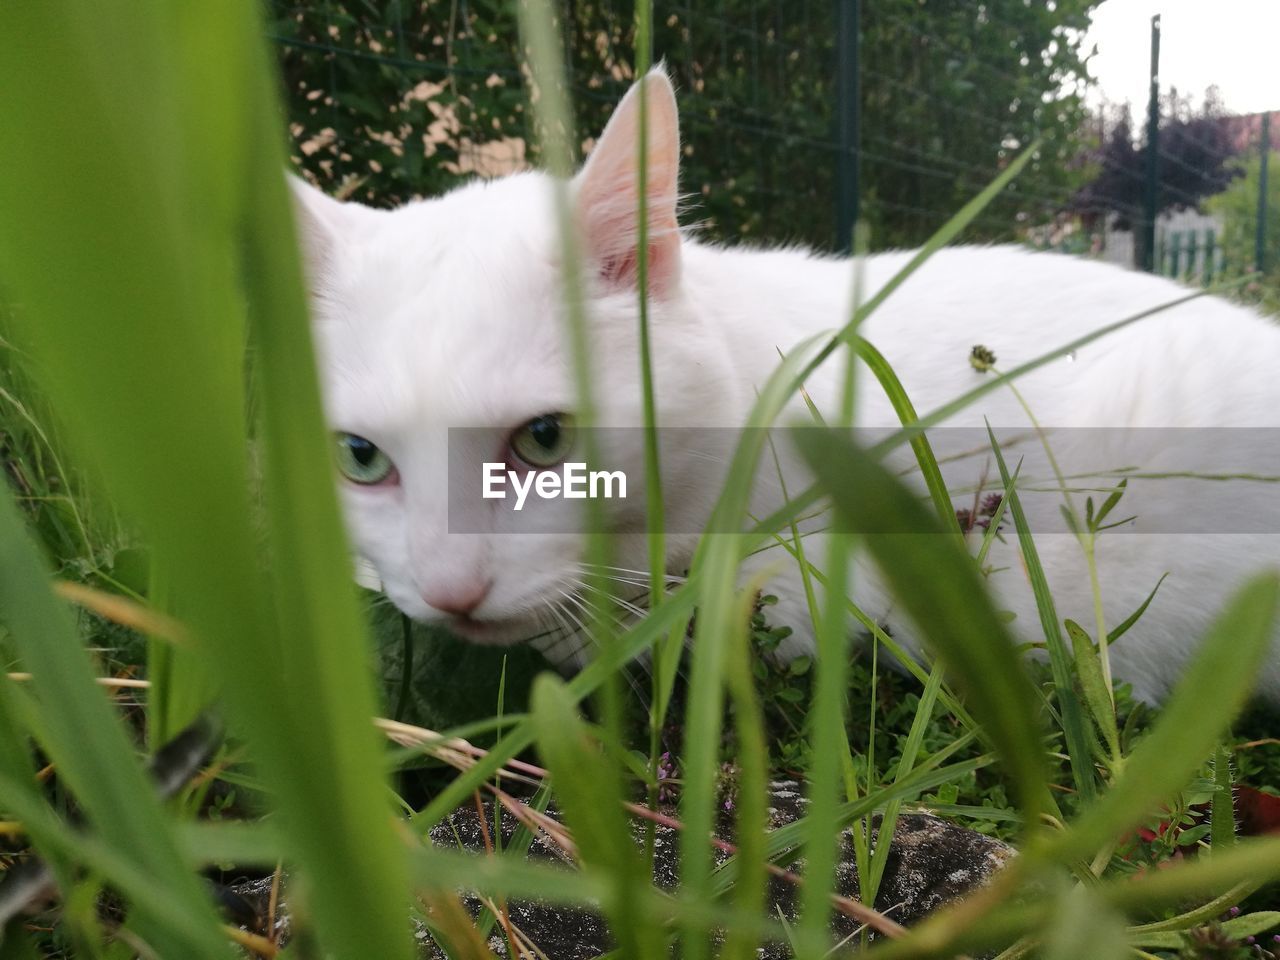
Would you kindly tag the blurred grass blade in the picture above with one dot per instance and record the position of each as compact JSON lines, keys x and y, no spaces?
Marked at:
{"x":1255,"y":860}
{"x":1214,"y":685}
{"x":716,"y":563}
{"x":133,"y":275}
{"x":589,"y":789}
{"x":751,"y":820}
{"x":986,"y":920}
{"x":828,"y":747}
{"x":1083,"y":926}
{"x":654,"y":513}
{"x":941,"y":591}
{"x":163,"y":915}
{"x":80,"y":732}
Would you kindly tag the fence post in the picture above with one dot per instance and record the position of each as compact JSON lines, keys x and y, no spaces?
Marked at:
{"x":1151,"y":198}
{"x":848,"y":117}
{"x":1260,"y":241}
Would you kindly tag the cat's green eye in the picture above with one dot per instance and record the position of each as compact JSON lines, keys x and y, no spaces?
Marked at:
{"x":544,"y":441}
{"x":360,"y":461}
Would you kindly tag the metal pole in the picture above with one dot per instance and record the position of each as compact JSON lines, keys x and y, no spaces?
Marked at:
{"x":1151,"y":200}
{"x":1260,"y":241}
{"x":848,"y":116}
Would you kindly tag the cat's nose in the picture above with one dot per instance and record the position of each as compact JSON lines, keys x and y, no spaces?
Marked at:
{"x":460,"y":599}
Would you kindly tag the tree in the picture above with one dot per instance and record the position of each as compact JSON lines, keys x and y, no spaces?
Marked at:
{"x":1196,"y":159}
{"x":405,"y":97}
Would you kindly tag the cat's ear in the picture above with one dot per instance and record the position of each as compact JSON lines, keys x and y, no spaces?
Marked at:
{"x":607,"y":190}
{"x":320,"y":220}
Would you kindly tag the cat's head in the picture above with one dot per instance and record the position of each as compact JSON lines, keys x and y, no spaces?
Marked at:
{"x":447,"y":313}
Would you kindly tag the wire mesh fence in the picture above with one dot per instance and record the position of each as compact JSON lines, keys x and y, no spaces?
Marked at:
{"x":397,"y":99}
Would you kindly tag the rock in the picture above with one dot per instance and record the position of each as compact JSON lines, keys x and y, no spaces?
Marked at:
{"x":930,"y":863}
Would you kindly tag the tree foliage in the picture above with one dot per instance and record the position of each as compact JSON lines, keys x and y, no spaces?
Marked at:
{"x":1196,"y":158}
{"x":390,"y":99}
{"x":1238,"y":207}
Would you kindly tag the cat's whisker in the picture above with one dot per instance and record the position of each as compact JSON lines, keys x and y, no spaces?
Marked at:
{"x":628,"y":605}
{"x":554,"y":651}
{"x":581,"y":630}
{"x":640,"y":693}
{"x":552,"y":629}
{"x":644,"y":575}
{"x":640,"y":663}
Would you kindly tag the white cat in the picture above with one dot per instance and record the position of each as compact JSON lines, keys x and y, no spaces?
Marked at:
{"x":447,"y":313}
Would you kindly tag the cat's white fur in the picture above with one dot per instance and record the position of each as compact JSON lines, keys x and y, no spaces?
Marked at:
{"x":447,"y":312}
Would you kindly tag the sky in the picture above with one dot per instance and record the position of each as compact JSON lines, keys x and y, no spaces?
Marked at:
{"x":1234,"y":44}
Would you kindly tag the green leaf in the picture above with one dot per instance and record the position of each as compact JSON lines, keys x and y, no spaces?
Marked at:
{"x":1108,"y":505}
{"x":1214,"y":686}
{"x":1121,"y":628}
{"x":716,"y":564}
{"x":1094,"y":686}
{"x":1222,"y":815}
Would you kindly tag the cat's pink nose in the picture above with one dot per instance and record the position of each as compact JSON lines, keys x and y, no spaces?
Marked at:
{"x":459,"y":600}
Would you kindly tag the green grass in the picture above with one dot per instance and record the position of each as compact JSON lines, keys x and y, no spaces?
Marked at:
{"x":143,"y":465}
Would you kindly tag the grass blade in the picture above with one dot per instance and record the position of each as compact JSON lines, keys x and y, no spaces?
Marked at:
{"x":142,"y":337}
{"x":889,"y":818}
{"x":906,"y":412}
{"x":941,"y":591}
{"x":80,"y":732}
{"x":1073,"y":728}
{"x":589,"y":789}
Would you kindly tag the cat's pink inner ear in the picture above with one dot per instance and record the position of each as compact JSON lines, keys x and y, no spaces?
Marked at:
{"x":607,"y":191}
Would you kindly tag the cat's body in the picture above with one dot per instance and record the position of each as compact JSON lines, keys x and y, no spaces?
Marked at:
{"x":447,"y":314}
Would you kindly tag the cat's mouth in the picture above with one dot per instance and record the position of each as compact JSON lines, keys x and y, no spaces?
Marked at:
{"x":488,"y":631}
